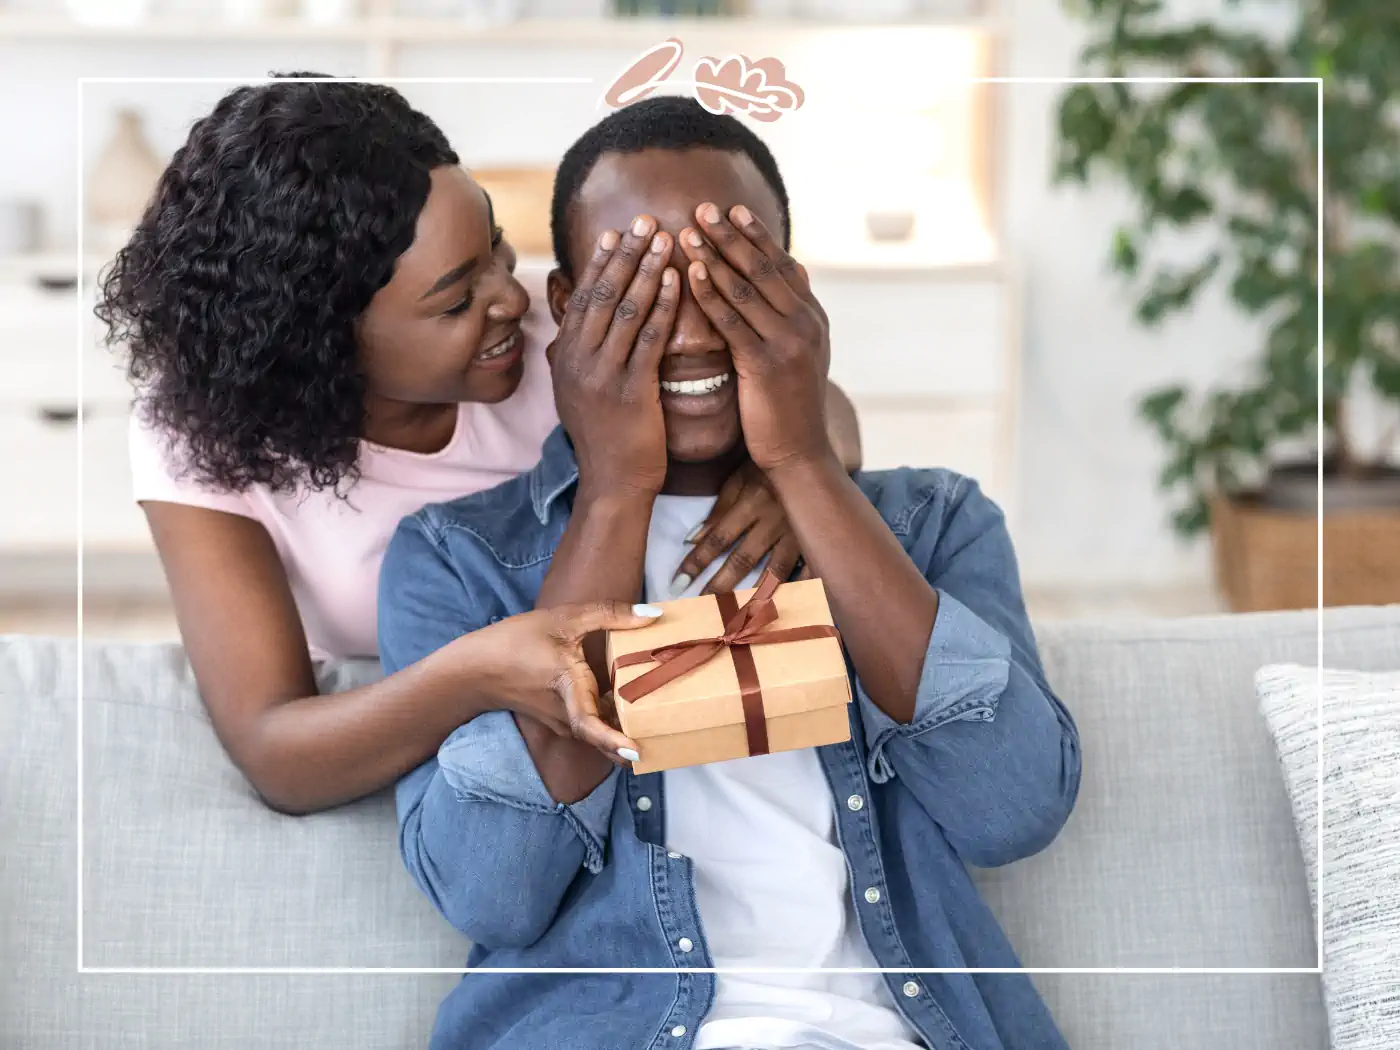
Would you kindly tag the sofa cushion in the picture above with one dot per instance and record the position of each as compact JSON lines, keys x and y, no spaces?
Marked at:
{"x":138,"y":790}
{"x":175,"y":834}
{"x":1360,"y":886}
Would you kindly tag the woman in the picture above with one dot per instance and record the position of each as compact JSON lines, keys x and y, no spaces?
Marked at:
{"x":324,"y":323}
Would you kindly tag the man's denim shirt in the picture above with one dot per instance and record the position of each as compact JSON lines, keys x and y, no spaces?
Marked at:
{"x":985,"y":774}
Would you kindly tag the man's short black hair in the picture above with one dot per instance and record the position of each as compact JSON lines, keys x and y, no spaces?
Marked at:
{"x":674,"y":122}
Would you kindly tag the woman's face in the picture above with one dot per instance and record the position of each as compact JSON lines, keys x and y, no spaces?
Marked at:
{"x":446,"y":328}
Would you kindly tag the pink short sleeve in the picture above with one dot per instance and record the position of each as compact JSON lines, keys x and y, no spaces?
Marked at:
{"x":157,"y":475}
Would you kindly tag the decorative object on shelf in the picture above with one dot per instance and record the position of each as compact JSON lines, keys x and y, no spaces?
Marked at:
{"x":1256,"y":215}
{"x":492,"y":11}
{"x":772,"y":9}
{"x":673,"y":8}
{"x":569,"y":10}
{"x":866,"y":11}
{"x":121,"y":182}
{"x":109,"y":12}
{"x":889,"y":226}
{"x":330,"y":12}
{"x":429,"y":8}
{"x":21,"y":223}
{"x":246,"y":11}
{"x":520,"y":198}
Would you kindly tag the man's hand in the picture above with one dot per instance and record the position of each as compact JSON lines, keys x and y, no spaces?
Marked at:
{"x":606,"y":360}
{"x":760,"y":301}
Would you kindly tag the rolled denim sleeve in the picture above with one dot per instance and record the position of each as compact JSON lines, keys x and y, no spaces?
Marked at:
{"x":477,"y":815}
{"x":991,"y":754}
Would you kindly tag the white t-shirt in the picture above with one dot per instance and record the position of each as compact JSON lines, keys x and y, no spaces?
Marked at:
{"x":771,"y":881}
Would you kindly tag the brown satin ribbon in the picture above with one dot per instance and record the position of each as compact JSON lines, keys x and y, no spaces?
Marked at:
{"x":743,"y":627}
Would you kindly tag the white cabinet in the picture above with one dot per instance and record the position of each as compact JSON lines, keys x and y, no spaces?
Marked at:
{"x":61,"y":384}
{"x":930,"y":358}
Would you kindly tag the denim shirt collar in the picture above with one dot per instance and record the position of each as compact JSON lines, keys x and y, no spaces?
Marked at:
{"x":555,"y":474}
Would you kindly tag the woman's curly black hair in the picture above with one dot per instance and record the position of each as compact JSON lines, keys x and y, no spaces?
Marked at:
{"x":238,"y":294}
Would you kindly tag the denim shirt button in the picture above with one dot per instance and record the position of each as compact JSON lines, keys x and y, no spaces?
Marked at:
{"x":678,"y":1031}
{"x":644,"y":803}
{"x":685,"y":944}
{"x":872,"y":895}
{"x":674,"y":855}
{"x":911,"y":988}
{"x":854,"y":803}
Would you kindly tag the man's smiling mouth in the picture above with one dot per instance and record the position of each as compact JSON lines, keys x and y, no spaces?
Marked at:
{"x":696,"y":386}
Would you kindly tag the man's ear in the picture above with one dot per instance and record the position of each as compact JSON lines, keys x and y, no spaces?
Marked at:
{"x":558,"y":288}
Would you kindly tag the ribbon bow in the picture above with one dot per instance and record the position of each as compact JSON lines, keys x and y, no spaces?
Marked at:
{"x":743,"y":627}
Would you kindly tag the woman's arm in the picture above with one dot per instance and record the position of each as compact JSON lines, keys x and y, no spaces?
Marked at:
{"x":304,"y":752}
{"x":301,"y":751}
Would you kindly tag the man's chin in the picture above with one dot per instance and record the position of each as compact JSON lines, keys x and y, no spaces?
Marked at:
{"x":697,"y":448}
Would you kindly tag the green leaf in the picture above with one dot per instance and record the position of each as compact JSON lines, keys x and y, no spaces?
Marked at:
{"x":1125,"y":253}
{"x":1171,"y":291}
{"x":1180,"y":469}
{"x":1087,"y":129}
{"x":1192,"y":519}
{"x":1184,"y":205}
{"x":1159,"y":410}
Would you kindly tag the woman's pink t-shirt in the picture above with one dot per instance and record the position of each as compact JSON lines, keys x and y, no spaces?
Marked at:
{"x":332,"y":547}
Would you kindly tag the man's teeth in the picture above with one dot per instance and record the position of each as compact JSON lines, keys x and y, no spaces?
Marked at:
{"x":695,"y":386}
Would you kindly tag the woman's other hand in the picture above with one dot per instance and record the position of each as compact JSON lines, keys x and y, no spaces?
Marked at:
{"x":747,"y":521}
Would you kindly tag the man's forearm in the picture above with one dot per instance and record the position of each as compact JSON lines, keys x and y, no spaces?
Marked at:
{"x":600,"y":556}
{"x":881,"y":602}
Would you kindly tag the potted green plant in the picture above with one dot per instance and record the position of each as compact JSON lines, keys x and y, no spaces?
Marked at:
{"x":1233,"y":170}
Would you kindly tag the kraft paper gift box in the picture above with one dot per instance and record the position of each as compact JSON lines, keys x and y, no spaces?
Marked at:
{"x":732,"y":675}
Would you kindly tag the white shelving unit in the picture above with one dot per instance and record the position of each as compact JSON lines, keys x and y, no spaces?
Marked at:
{"x":382,"y":33}
{"x":928,"y":354}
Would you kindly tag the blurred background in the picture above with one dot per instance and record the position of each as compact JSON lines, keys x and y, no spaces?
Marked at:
{"x":977,"y":319}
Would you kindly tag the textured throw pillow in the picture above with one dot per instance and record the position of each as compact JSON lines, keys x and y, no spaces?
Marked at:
{"x":1360,"y":891}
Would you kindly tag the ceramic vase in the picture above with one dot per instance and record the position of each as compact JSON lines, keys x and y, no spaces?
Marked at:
{"x":121,"y":181}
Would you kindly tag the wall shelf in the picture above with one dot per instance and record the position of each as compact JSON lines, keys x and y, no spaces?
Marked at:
{"x":618,"y":32}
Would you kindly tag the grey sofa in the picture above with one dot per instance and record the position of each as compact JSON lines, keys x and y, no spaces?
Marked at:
{"x":1181,"y":853}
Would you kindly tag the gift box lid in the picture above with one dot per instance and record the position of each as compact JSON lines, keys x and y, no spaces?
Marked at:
{"x":794,"y":677}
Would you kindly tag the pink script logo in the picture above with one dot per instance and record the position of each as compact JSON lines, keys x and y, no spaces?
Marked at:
{"x":736,"y":84}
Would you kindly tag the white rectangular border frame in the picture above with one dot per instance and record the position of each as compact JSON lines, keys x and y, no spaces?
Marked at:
{"x":83,"y":322}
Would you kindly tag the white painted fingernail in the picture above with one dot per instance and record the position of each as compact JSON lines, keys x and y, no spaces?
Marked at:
{"x":652,"y":611}
{"x":680,"y":584}
{"x":629,"y":754}
{"x":694,"y":534}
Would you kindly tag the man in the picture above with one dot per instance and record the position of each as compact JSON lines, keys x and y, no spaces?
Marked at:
{"x":690,"y":341}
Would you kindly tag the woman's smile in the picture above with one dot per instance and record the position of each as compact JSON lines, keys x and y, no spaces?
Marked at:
{"x":501,"y":355}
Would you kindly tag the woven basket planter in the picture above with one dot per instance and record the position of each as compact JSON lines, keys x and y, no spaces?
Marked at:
{"x":1266,"y":558}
